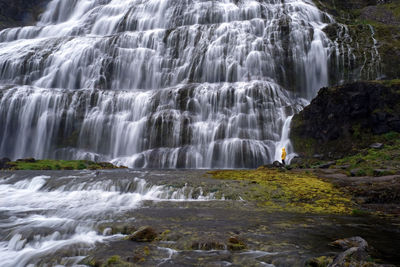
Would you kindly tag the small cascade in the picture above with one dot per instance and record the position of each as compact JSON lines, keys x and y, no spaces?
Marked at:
{"x":375,"y":57}
{"x":285,"y":143}
{"x":44,"y":214}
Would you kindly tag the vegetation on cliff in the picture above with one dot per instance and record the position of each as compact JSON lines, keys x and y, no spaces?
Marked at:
{"x":370,"y":25}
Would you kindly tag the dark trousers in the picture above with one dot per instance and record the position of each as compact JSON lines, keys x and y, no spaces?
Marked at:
{"x":283,"y":162}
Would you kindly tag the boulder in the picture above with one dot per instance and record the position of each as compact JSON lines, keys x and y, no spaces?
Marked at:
{"x":144,"y":234}
{"x":235,"y":244}
{"x":347,"y":243}
{"x":355,"y":253}
{"x":208,"y":245}
{"x":326,"y":165}
{"x":277,"y":164}
{"x":296,"y":160}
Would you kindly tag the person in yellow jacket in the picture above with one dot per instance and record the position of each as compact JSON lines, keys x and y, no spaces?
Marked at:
{"x":283,"y":156}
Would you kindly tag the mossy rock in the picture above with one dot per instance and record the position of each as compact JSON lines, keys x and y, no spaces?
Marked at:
{"x":144,"y":234}
{"x":208,"y":245}
{"x":236,"y":244}
{"x":117,"y":228}
{"x":290,"y":191}
{"x":322,"y":261}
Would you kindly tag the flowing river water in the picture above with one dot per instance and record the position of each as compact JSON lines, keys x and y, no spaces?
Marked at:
{"x":59,"y":217}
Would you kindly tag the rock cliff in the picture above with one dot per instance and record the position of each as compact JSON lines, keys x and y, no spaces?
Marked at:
{"x":20,"y":12}
{"x":343,"y":119}
{"x":372,"y":27}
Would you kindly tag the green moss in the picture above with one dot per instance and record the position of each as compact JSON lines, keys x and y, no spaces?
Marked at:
{"x":369,"y":160}
{"x":116,"y":261}
{"x":289,"y":191}
{"x":48,"y":164}
{"x":322,"y":261}
{"x":360,"y":213}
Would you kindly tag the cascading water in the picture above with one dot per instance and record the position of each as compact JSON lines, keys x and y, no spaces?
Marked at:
{"x":160,"y":83}
{"x":44,"y":215}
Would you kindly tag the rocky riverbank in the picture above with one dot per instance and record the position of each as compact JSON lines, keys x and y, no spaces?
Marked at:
{"x":350,"y":135}
{"x":263,"y":213}
{"x":196,"y":217}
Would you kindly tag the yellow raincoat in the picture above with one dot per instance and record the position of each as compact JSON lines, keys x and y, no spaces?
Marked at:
{"x":283,"y":154}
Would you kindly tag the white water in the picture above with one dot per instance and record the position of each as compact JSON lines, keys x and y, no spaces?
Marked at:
{"x":160,"y":83}
{"x":42,"y":216}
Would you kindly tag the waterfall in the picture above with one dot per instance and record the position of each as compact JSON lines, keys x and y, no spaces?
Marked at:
{"x":160,"y":83}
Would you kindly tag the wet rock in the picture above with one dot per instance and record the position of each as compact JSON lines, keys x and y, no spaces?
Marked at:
{"x":116,"y":261}
{"x":140,"y":255}
{"x":355,"y":254}
{"x":380,"y":172}
{"x":107,"y":231}
{"x":235,"y":243}
{"x":326,"y":165}
{"x":296,"y":160}
{"x":350,"y":242}
{"x":208,"y":245}
{"x":30,"y":160}
{"x":319,"y":261}
{"x":356,"y":172}
{"x":3,"y":163}
{"x":318,"y":156}
{"x":277,"y":164}
{"x":144,"y":234}
{"x":376,"y":145}
{"x":344,"y":167}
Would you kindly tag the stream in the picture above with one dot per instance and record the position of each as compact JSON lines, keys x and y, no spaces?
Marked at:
{"x":50,"y":218}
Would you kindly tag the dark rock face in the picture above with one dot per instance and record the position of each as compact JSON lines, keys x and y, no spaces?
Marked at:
{"x":20,"y":12}
{"x":3,"y":163}
{"x":339,"y":116}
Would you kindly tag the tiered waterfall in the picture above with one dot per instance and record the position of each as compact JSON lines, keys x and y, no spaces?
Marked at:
{"x":161,"y":83}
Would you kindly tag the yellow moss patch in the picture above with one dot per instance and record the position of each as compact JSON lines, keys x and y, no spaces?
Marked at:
{"x":289,"y":191}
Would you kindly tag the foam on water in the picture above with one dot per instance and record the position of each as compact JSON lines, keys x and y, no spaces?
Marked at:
{"x":42,"y":215}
